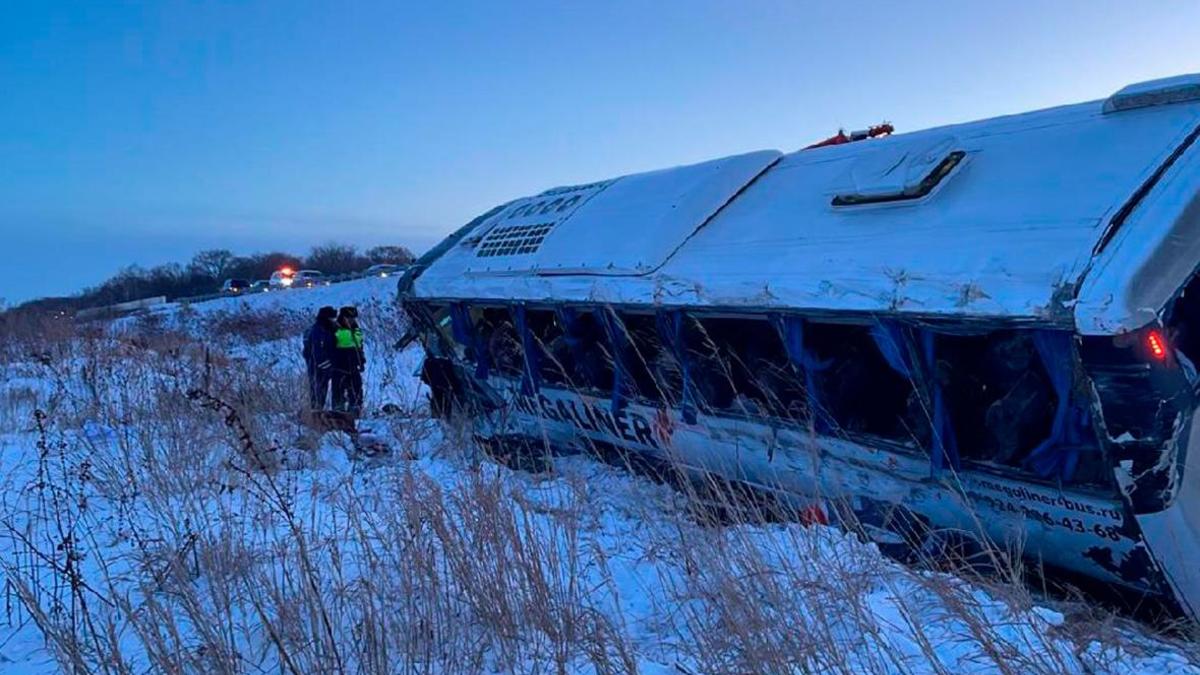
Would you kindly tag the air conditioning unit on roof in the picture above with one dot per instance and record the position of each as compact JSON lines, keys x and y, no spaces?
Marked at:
{"x":1180,"y":89}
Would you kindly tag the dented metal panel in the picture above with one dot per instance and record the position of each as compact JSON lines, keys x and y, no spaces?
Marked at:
{"x":1173,"y":535}
{"x":1082,"y":531}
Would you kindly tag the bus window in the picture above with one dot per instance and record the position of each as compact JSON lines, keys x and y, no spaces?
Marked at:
{"x":745,"y":369}
{"x":553,"y":357}
{"x":580,"y":352}
{"x":1000,"y":397}
{"x":860,"y":391}
{"x":645,"y":359}
{"x":1006,"y":389}
{"x":667,"y":372}
{"x":499,"y":333}
{"x":710,"y":369}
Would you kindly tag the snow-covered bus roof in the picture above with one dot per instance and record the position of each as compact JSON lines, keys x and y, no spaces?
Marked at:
{"x":1084,"y":215}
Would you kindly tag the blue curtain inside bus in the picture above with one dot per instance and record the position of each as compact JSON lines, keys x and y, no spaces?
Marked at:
{"x":614,"y":329}
{"x":805,"y":363}
{"x":671,"y":332}
{"x":464,"y":333}
{"x":568,"y":318}
{"x":530,"y":380}
{"x":889,"y":337}
{"x":944,"y":438}
{"x":1071,"y":433}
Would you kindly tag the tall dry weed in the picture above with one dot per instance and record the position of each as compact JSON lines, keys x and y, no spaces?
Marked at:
{"x":170,"y":521}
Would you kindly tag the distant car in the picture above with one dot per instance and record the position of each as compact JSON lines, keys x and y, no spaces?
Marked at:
{"x":235,"y":286}
{"x":308,"y":279}
{"x":384,"y":270}
{"x":260,"y":286}
{"x":282,"y":278}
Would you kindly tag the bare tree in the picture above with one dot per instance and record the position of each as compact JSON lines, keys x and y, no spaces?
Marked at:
{"x":213,"y":263}
{"x":390,"y":255}
{"x":335,"y":258}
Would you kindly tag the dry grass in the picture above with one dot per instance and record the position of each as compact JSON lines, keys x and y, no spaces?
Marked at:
{"x":169,"y":520}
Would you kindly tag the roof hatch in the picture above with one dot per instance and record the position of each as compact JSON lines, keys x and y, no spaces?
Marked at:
{"x":1179,"y":89}
{"x":898,"y":172}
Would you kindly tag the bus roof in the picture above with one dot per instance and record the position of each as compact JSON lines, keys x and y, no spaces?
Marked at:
{"x":1086,"y":215}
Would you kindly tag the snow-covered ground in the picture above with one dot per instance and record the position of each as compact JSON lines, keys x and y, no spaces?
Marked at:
{"x":163,"y":510}
{"x":367,"y":289}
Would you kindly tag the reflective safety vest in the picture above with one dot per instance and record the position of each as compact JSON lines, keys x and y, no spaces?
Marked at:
{"x":349,"y":339}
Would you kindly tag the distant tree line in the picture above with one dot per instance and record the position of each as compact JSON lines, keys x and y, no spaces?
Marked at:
{"x":208,"y":270}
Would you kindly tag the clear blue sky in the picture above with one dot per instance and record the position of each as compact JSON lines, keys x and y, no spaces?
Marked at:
{"x":139,"y":132}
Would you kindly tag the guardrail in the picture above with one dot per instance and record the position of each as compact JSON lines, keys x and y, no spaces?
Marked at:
{"x":120,"y":308}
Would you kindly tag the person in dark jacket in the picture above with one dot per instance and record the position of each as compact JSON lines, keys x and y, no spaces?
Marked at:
{"x":318,"y":356}
{"x":349,"y":362}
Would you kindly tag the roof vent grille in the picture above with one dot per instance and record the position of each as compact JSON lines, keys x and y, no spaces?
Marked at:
{"x":513,"y":240}
{"x":1179,"y":89}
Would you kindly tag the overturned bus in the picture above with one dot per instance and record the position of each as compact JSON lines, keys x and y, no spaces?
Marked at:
{"x":988,"y":328}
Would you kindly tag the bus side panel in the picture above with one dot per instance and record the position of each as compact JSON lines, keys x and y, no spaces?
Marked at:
{"x":1173,"y":535}
{"x":1079,"y":531}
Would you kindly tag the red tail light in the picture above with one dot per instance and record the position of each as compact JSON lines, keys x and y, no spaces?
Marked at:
{"x":1157,"y":345}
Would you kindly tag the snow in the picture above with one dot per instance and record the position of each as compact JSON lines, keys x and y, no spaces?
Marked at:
{"x":593,"y":558}
{"x":305,"y":300}
{"x":630,"y":226}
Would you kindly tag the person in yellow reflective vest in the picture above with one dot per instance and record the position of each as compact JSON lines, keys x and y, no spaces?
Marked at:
{"x":349,"y":362}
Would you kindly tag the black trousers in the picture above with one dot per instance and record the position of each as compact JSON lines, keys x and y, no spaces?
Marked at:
{"x":318,"y":388}
{"x":348,"y":391}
